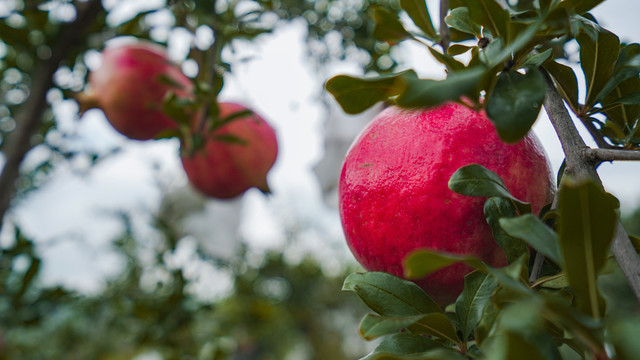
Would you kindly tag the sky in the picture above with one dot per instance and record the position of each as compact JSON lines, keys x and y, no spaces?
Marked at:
{"x":72,"y":214}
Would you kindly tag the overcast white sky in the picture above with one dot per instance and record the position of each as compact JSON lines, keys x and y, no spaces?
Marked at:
{"x":68,"y":213}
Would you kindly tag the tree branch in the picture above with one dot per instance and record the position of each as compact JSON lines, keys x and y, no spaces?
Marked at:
{"x":29,"y":115}
{"x":580,"y":163}
{"x":601,"y":155}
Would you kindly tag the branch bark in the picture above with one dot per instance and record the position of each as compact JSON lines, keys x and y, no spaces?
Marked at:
{"x":581,"y":162}
{"x":29,"y":115}
{"x":445,"y":35}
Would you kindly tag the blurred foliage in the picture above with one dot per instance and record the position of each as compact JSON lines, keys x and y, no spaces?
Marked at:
{"x":274,"y":309}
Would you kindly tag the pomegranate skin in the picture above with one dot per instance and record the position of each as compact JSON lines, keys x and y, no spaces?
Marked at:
{"x":129,"y":88}
{"x":394,"y":196}
{"x":224,"y":169}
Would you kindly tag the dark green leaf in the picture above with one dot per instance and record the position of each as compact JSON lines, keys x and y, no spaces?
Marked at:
{"x":374,"y":326}
{"x":496,"y":208}
{"x":438,"y":325}
{"x":597,"y":59}
{"x":421,"y":263}
{"x":425,"y":93}
{"x":489,"y":14}
{"x":586,"y":228}
{"x":400,"y":344}
{"x":419,"y":13}
{"x":616,"y":291}
{"x":460,"y":20}
{"x":231,"y":138}
{"x":580,"y":6}
{"x":478,"y":288}
{"x":358,"y":94}
{"x":515,"y":103}
{"x":628,"y":70}
{"x":388,"y":26}
{"x":476,"y":180}
{"x":623,"y":335}
{"x":531,"y":229}
{"x":457,"y":49}
{"x":449,"y":61}
{"x":566,"y":81}
{"x":433,"y":354}
{"x":629,"y":99}
{"x":389,"y":295}
{"x":534,"y":61}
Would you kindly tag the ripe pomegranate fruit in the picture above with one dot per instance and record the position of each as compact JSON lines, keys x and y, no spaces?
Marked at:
{"x":130,"y":86}
{"x":225,"y":169}
{"x":394,"y":196}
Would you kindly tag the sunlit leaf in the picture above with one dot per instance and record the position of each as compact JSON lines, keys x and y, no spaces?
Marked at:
{"x":389,"y":295}
{"x":478,"y":288}
{"x":531,"y":229}
{"x":586,"y":228}
{"x":515,"y":103}
{"x":460,"y":20}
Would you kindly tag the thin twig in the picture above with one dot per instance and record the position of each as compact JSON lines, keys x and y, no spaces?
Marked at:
{"x":29,"y":115}
{"x":580,"y":164}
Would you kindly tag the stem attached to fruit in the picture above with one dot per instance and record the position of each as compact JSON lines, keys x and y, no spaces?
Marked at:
{"x":29,"y":115}
{"x":581,"y":162}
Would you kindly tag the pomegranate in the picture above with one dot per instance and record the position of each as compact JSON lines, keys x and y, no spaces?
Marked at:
{"x":225,"y":169}
{"x":394,"y":196}
{"x":130,"y":86}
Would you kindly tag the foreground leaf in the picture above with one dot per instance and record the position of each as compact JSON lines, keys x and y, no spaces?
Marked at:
{"x":420,"y":93}
{"x":515,"y":103}
{"x":587,"y":223}
{"x":373,"y":326}
{"x":397,"y":345}
{"x":356,"y":95}
{"x":496,"y":208}
{"x":419,"y":13}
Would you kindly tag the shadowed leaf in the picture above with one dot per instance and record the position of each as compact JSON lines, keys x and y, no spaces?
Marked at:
{"x":478,"y":288}
{"x":496,"y":208}
{"x":531,"y":229}
{"x":419,"y":13}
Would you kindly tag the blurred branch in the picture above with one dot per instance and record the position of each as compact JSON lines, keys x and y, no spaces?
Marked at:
{"x":445,"y":35}
{"x":580,"y":163}
{"x":29,"y":115}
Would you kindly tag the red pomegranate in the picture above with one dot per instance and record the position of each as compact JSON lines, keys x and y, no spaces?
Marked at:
{"x":394,"y":196}
{"x":225,"y":169}
{"x":130,"y":86}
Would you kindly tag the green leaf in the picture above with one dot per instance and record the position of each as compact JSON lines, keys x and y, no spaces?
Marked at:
{"x":424,"y":93}
{"x":534,"y":61}
{"x":496,"y":208}
{"x":355,"y":95}
{"x":566,"y":81}
{"x":373,"y":326}
{"x":515,"y":103}
{"x":622,"y":334}
{"x":460,"y":20}
{"x":458,"y":49}
{"x":476,"y":180}
{"x":531,"y":229}
{"x":628,"y":70}
{"x":597,"y":59}
{"x":447,"y":60}
{"x":587,"y":224}
{"x":438,"y":325}
{"x":616,"y":291}
{"x":489,"y":14}
{"x":433,"y":354}
{"x":419,"y":13}
{"x":389,"y":295}
{"x":397,"y":345}
{"x":478,"y":288}
{"x":388,"y":26}
{"x":421,"y":263}
{"x":580,"y":6}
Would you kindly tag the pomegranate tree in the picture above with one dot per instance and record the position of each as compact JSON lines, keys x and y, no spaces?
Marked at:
{"x":130,"y":86}
{"x":394,"y":196}
{"x":235,"y":156}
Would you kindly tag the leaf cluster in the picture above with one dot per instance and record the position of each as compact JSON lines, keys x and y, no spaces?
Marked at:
{"x":568,"y":313}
